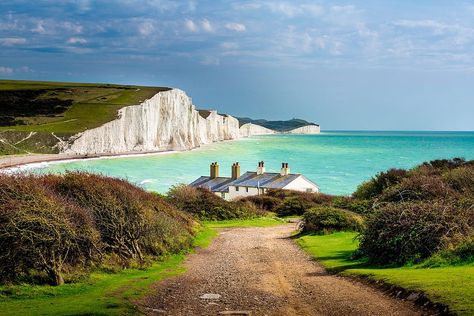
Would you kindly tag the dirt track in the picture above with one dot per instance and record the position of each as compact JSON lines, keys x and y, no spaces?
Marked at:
{"x":260,"y":271}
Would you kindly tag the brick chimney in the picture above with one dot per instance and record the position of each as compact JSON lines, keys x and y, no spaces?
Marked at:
{"x":214,"y":170}
{"x":261,"y":168}
{"x":235,"y":170}
{"x":285,"y":170}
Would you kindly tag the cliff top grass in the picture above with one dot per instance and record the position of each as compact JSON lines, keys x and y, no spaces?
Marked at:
{"x":64,"y":108}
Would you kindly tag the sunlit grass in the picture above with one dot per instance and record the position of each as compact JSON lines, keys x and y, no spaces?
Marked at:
{"x":452,"y":286}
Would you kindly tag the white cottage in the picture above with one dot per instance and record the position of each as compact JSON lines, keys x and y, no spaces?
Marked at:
{"x":253,"y":183}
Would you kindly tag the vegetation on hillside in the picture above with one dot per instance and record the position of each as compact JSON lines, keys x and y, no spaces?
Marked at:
{"x":418,"y":213}
{"x":43,"y":108}
{"x":55,"y":227}
{"x":280,"y":126}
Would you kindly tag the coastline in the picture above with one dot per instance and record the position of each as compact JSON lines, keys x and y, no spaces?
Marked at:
{"x":21,"y":161}
{"x":18,"y":162}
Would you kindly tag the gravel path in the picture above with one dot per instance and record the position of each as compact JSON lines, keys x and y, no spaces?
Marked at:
{"x":260,"y":271}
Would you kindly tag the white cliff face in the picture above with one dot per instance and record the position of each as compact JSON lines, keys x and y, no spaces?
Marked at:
{"x":308,"y":129}
{"x":250,"y":129}
{"x":167,"y":121}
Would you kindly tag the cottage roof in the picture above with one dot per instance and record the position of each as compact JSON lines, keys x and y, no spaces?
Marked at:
{"x":267,"y":180}
{"x":219,"y":184}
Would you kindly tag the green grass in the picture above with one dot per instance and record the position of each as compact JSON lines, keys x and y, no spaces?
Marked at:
{"x":93,"y":104}
{"x":452,"y":285}
{"x":254,"y":222}
{"x":100,"y":294}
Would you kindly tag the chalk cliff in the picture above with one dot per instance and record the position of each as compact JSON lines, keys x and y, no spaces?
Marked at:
{"x":167,"y":121}
{"x":308,"y":129}
{"x":250,"y":129}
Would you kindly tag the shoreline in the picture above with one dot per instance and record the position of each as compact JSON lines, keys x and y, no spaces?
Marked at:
{"x":19,"y":162}
{"x":8,"y":163}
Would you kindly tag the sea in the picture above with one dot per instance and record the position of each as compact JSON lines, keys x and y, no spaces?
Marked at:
{"x":338,"y":161}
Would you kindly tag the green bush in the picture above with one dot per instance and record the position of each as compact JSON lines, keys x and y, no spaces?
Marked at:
{"x":206,"y":205}
{"x":264,"y":202}
{"x":293,"y":206}
{"x":461,"y":179}
{"x":53,"y":225}
{"x":404,"y":232}
{"x":41,"y":232}
{"x":418,"y":187}
{"x":375,"y":186}
{"x":323,"y":219}
{"x":362,"y":207}
{"x":132,"y":223}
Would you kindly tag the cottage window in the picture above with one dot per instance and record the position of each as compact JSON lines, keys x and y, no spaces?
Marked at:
{"x":223,"y":195}
{"x":309,"y":190}
{"x":236,"y":188}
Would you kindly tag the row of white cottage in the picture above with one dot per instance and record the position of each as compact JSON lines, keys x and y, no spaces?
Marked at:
{"x":253,"y":183}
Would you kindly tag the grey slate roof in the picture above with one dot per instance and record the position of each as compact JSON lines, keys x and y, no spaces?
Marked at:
{"x":268,"y":180}
{"x":219,"y":184}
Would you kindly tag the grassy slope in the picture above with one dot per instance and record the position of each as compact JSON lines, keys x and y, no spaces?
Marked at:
{"x":93,"y":104}
{"x":101,"y":294}
{"x":453,"y":286}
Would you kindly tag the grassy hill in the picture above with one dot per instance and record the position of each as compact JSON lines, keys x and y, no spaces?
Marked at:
{"x":60,"y":108}
{"x":280,"y":126}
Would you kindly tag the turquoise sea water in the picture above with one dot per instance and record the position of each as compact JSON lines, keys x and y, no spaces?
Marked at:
{"x":337,"y":161}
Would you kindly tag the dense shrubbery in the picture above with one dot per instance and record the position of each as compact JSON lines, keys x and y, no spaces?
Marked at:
{"x":409,"y":232}
{"x":423,"y":212}
{"x":206,"y":205}
{"x":55,"y":224}
{"x":324,"y":219}
{"x":379,"y":183}
{"x":288,"y":203}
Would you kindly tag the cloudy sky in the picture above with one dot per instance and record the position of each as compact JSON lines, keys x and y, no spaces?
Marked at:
{"x":403,"y":65}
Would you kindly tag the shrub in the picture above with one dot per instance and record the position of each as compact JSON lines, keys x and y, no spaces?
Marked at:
{"x":132,"y":223}
{"x":461,"y":179}
{"x":379,"y":183}
{"x":41,"y":231}
{"x":323,"y":219}
{"x":208,"y":206}
{"x":418,"y":187}
{"x":295,"y":202}
{"x":264,"y":202}
{"x":398,"y":233}
{"x":293,"y":206}
{"x":362,"y":207}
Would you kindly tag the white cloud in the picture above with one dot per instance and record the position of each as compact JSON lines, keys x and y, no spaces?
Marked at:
{"x":9,"y":70}
{"x":210,"y":61}
{"x":146,"y":28}
{"x":237,"y":27}
{"x":229,"y":45}
{"x":72,"y":27}
{"x":11,"y":41}
{"x":39,"y":28}
{"x":77,"y":40}
{"x":207,"y":26}
{"x":190,"y":25}
{"x":6,"y":70}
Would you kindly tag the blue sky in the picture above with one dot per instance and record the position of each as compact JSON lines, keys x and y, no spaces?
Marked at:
{"x":403,"y":65}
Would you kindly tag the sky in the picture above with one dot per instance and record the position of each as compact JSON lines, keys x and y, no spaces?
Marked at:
{"x":371,"y":64}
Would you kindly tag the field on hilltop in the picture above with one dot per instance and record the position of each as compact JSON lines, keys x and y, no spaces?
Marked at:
{"x":60,"y":108}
